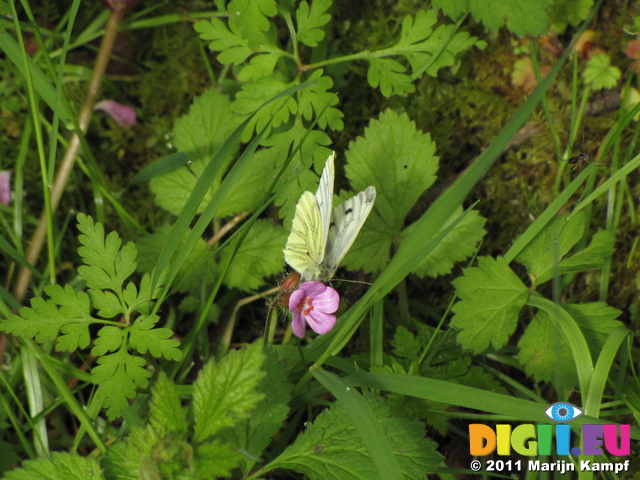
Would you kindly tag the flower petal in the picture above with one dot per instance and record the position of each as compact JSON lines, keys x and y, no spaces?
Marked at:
{"x":295,"y":299}
{"x":328,"y":301}
{"x":298,"y":325}
{"x":321,"y":322}
{"x":124,"y":115}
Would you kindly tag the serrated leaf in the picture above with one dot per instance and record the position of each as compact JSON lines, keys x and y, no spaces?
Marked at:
{"x":61,"y":466}
{"x":459,"y":244}
{"x":522,"y":17}
{"x":400,"y":162}
{"x":425,"y":48}
{"x":313,"y":152}
{"x":596,"y":320}
{"x":331,"y":444}
{"x":564,"y":12}
{"x":251,"y":18}
{"x":215,"y":459}
{"x":491,"y":297}
{"x":313,"y":101}
{"x":310,"y":21}
{"x":46,"y":318}
{"x":117,"y":376}
{"x":199,"y":134}
{"x":543,"y":253}
{"x":600,"y":74}
{"x":405,"y":344}
{"x":545,"y":352}
{"x":543,"y":256}
{"x":595,"y":255}
{"x":234,"y":48}
{"x":107,"y":264}
{"x":546,"y":355}
{"x":253,"y":95}
{"x":259,"y":256}
{"x":452,"y":9}
{"x":225,"y":393}
{"x":253,"y":434}
{"x":157,"y":341}
{"x":166,"y":411}
{"x":197,"y":271}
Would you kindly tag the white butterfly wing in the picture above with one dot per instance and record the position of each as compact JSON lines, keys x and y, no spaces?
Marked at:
{"x":346,"y":221}
{"x":305,"y":246}
{"x":324,"y":196}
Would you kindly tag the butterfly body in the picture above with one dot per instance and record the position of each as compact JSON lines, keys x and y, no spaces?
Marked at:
{"x":321,"y":236}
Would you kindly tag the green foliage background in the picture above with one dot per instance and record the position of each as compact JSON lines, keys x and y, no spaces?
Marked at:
{"x":139,"y":339}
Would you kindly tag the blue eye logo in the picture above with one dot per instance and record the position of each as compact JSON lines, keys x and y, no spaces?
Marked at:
{"x":563,"y":412}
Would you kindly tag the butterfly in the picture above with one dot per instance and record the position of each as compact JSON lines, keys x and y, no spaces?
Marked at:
{"x":321,"y":236}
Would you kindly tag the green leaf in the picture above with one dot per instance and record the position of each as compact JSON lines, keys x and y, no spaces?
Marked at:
{"x":117,"y":376}
{"x":107,"y":265}
{"x":203,"y":130}
{"x":564,"y":12}
{"x":313,"y":152}
{"x":459,"y":244}
{"x":197,"y":271}
{"x":600,"y":74}
{"x":425,"y":48}
{"x":313,"y":101}
{"x":109,"y":339}
{"x":199,"y":134}
{"x":542,"y":254}
{"x":331,"y":444}
{"x":166,"y":413}
{"x":234,"y":48}
{"x":225,"y":393}
{"x":157,"y":341}
{"x":491,"y":297}
{"x":523,"y":17}
{"x":253,"y":434}
{"x":255,"y":94}
{"x":390,"y":76}
{"x":106,"y":302}
{"x":545,"y":352}
{"x":546,"y":355}
{"x":67,"y":311}
{"x":61,"y":466}
{"x":405,"y":344}
{"x":264,"y":62}
{"x":251,"y":18}
{"x":596,"y":320}
{"x":595,"y":255}
{"x":310,"y":21}
{"x":259,"y":255}
{"x":160,"y":449}
{"x":400,"y":162}
{"x":452,"y":9}
{"x":215,"y":459}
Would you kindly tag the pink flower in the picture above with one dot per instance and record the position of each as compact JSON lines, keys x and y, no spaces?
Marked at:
{"x":313,"y":303}
{"x":124,"y":115}
{"x":5,"y":186}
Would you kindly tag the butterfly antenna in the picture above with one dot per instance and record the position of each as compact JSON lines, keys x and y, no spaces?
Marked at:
{"x":350,"y":281}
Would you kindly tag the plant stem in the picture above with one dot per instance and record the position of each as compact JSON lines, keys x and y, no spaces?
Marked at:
{"x":62,"y":177}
